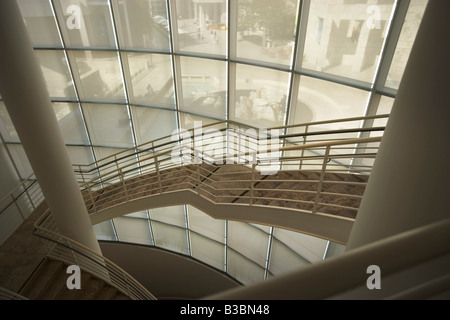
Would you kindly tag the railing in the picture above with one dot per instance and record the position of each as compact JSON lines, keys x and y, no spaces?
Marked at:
{"x":249,"y":175}
{"x":291,"y":148}
{"x":16,"y":207}
{"x":64,"y":249}
{"x":299,"y":134}
{"x":6,"y":294}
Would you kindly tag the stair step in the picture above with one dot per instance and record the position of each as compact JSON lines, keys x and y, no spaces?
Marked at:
{"x":91,"y":291}
{"x":107,"y":293}
{"x":74,"y":294}
{"x":49,"y":283}
{"x":42,"y":278}
{"x":287,"y":188}
{"x":120,"y":296}
{"x":55,"y":288}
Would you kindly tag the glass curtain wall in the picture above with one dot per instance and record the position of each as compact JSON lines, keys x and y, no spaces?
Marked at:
{"x":247,"y":252}
{"x":123,"y":72}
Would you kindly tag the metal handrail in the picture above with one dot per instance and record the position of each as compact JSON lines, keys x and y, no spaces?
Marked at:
{"x":29,"y":197}
{"x":69,"y":251}
{"x":6,"y":294}
{"x":242,"y":154}
{"x":159,"y":164}
{"x":23,"y":189}
{"x":161,"y":142}
{"x":18,"y":204}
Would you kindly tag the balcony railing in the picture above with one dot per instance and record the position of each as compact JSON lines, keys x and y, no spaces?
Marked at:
{"x":228,"y":162}
{"x":71,"y":252}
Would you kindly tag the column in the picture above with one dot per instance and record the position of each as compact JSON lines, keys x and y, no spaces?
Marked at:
{"x":410,"y":182}
{"x":24,"y":92}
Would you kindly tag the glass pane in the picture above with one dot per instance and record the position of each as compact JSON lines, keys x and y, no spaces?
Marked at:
{"x":264,"y":228}
{"x":98,"y":75}
{"x":133,"y":230}
{"x":80,"y":155}
{"x":208,"y":251}
{"x":346,"y":38}
{"x":140,"y":214}
{"x":171,"y":215}
{"x":266,"y":30}
{"x":405,"y":42}
{"x":320,"y":100}
{"x":104,"y":231}
{"x":248,"y":241}
{"x":139,"y":24}
{"x":108,"y":167}
{"x":310,"y":248}
{"x":151,"y":79}
{"x":187,"y":121}
{"x":20,"y":160}
{"x":204,"y":86}
{"x":85,"y":23}
{"x":202,"y":26}
{"x":108,"y":125}
{"x":56,"y":73}
{"x":151,"y":124}
{"x":7,"y":128}
{"x":40,"y":22}
{"x":283,"y":259}
{"x":170,"y":237}
{"x":102,"y":153}
{"x":243,"y":269}
{"x":71,"y":123}
{"x":206,"y":225}
{"x":384,"y":107}
{"x":261,"y":96}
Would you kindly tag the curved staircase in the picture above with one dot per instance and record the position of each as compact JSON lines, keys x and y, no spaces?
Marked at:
{"x":341,"y":193}
{"x":313,"y":176}
{"x":49,"y":283}
{"x":320,"y":176}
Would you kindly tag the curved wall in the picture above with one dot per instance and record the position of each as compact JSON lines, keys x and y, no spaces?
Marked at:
{"x":165,"y":274}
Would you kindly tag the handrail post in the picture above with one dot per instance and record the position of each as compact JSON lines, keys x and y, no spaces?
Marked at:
{"x":252,"y":186}
{"x":303,"y":150}
{"x":117,"y":165}
{"x":198,"y":179}
{"x":322,"y":175}
{"x":89,"y":190}
{"x":123,"y":184}
{"x":158,"y":173}
{"x":18,"y":207}
{"x":81,"y":173}
{"x":29,"y":197}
